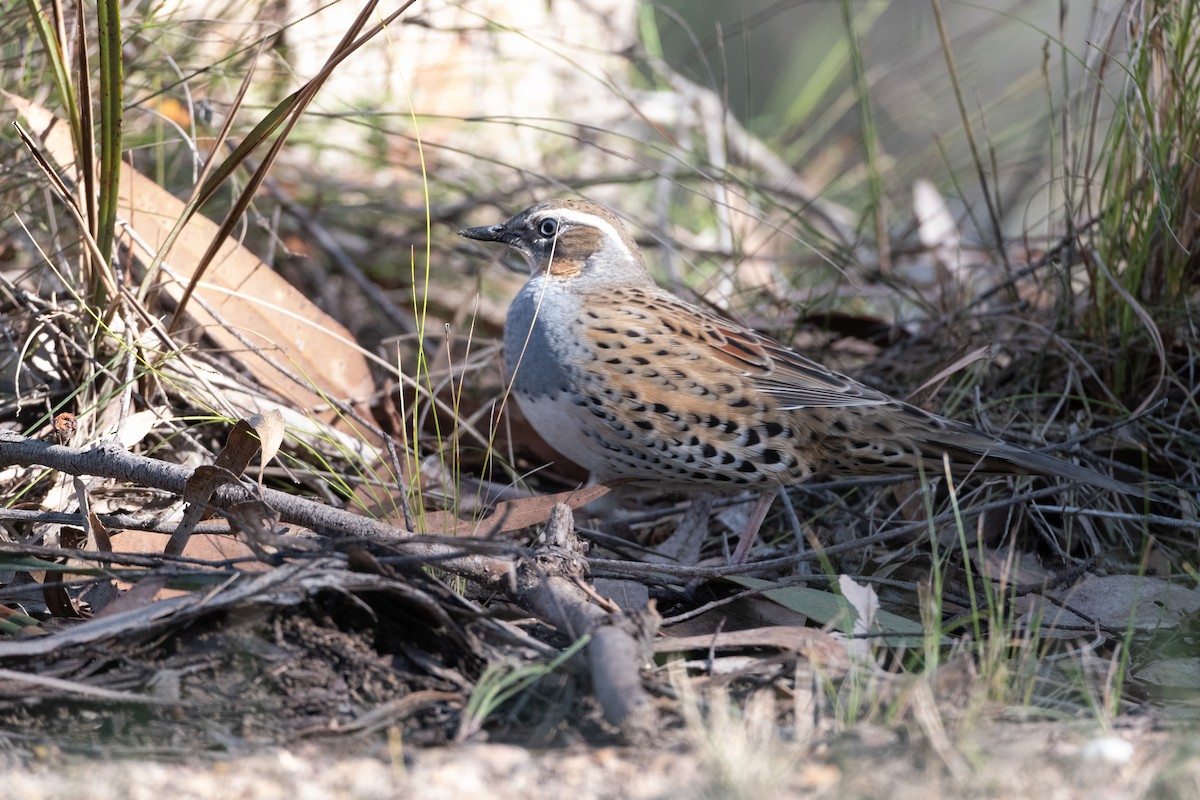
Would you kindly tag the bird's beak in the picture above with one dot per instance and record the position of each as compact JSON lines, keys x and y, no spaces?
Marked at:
{"x":488,"y":233}
{"x":499,"y":233}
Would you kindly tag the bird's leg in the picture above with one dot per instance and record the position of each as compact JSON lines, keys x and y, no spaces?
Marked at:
{"x":753,"y":522}
{"x":684,"y":544}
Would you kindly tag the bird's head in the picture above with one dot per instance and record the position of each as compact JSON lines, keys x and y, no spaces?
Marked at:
{"x":570,"y":239}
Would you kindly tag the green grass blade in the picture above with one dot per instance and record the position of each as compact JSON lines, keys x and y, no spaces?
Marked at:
{"x":60,"y":73}
{"x":112,"y":93}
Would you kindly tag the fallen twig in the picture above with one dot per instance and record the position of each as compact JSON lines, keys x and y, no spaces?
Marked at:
{"x":547,"y":585}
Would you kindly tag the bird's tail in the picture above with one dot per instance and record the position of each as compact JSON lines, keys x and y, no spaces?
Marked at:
{"x":973,"y":450}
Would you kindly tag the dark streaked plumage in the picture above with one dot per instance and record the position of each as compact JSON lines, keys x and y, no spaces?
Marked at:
{"x":630,"y":381}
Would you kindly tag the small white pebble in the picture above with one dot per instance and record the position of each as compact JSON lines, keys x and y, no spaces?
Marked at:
{"x":1109,"y":749}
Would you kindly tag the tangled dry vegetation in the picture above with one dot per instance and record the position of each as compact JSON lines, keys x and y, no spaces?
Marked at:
{"x":261,"y":485}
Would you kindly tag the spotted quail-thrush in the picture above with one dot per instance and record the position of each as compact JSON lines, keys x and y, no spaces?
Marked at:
{"x":630,"y":381}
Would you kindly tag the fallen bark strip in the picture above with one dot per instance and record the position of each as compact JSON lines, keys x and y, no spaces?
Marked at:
{"x":550,"y":584}
{"x":76,"y":689}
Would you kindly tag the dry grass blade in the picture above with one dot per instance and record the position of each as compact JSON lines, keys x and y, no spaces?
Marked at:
{"x":209,"y":183}
{"x":968,"y":131}
{"x":85,"y":125}
{"x":66,"y":195}
{"x":53,"y":37}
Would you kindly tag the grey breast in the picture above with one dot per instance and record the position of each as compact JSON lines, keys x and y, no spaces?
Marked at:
{"x":530,"y":349}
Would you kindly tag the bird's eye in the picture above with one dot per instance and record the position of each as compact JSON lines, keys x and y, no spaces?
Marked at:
{"x":549,"y":227}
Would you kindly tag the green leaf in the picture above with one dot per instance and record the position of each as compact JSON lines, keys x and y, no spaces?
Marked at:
{"x":825,"y":607}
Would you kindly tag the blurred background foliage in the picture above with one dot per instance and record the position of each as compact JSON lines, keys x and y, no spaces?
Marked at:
{"x":787,"y":70}
{"x":850,"y":103}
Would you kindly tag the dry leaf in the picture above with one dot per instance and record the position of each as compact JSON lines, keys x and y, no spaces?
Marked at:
{"x":512,"y":515}
{"x":269,"y":427}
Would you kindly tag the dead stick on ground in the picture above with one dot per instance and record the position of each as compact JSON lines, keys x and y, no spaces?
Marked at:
{"x":547,"y":585}
{"x":110,"y":461}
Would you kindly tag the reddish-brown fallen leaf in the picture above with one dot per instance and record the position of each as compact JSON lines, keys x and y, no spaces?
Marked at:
{"x":205,"y":546}
{"x":511,"y":515}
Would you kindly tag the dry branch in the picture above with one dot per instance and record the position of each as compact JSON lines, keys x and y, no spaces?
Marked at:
{"x":110,"y":461}
{"x":550,"y":583}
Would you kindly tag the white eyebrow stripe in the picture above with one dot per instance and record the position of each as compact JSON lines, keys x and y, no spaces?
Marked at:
{"x":610,"y":232}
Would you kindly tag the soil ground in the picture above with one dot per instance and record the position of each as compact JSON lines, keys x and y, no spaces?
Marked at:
{"x":1001,"y":760}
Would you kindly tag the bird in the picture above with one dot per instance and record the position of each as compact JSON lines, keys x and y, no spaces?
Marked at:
{"x":634,"y":383}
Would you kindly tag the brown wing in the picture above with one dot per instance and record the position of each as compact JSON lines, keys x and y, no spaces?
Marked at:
{"x":793,"y":381}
